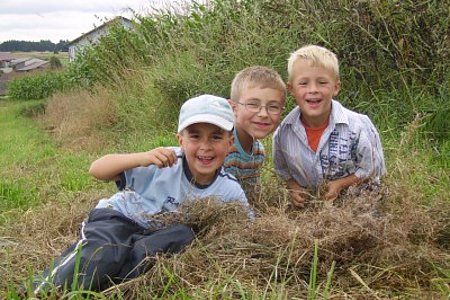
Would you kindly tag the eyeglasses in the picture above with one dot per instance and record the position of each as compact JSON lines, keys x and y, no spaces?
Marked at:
{"x":255,"y":107}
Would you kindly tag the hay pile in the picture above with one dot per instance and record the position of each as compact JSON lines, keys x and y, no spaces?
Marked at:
{"x":380,"y":245}
{"x":38,"y":236}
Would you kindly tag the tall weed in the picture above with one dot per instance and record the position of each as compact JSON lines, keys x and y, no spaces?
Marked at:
{"x":385,"y":68}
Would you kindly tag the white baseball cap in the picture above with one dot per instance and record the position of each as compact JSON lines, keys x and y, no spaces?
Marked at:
{"x":206,"y":109}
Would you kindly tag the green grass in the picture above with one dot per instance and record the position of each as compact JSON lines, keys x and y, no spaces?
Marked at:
{"x":22,"y":148}
{"x":34,"y":169}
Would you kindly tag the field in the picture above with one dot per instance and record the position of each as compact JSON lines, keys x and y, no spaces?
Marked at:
{"x":45,"y":193}
{"x":124,"y":96}
{"x":62,"y":56}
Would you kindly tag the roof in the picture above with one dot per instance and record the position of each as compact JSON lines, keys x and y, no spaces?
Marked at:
{"x":19,"y":60}
{"x":110,"y":22}
{"x":33,"y":65}
{"x":6,"y":56}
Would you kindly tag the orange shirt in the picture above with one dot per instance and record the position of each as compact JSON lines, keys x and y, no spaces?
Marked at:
{"x":314,"y":135}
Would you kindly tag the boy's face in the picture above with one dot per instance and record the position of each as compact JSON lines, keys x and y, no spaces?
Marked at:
{"x":258,"y":111}
{"x":313,"y":88}
{"x":205,"y":147}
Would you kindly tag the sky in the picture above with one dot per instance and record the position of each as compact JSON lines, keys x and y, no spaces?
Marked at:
{"x":55,"y":20}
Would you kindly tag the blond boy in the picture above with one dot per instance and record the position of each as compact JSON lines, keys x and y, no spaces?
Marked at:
{"x":320,"y":141}
{"x":257,"y":97}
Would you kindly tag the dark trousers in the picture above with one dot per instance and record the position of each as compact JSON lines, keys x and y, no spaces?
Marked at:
{"x":112,"y":249}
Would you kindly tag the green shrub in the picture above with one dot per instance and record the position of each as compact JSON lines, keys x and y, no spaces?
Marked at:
{"x":55,"y":63}
{"x":37,"y":86}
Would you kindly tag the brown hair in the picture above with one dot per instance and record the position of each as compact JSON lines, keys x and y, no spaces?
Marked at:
{"x":256,"y":76}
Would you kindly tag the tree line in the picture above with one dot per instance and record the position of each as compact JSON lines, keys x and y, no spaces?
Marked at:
{"x":28,"y":46}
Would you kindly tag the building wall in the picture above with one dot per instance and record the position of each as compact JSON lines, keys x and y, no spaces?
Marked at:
{"x":91,"y":38}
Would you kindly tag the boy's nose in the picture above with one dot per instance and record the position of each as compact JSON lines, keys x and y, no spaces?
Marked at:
{"x":312,"y":87}
{"x":263,"y":111}
{"x":205,"y":144}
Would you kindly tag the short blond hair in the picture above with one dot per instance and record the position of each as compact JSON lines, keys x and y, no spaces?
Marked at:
{"x":318,"y":56}
{"x":256,"y":76}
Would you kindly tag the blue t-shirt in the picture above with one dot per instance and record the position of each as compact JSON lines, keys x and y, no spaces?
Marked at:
{"x":152,"y":190}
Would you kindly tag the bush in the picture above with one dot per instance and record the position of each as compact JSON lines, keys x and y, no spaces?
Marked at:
{"x":37,"y":86}
{"x":55,"y":63}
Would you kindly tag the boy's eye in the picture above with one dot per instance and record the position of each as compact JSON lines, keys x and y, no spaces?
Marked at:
{"x":217,"y":137}
{"x":274,"y":108}
{"x":253,"y":105}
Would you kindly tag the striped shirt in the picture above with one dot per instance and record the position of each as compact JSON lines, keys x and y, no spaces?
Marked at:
{"x":246,"y":167}
{"x":349,"y":145}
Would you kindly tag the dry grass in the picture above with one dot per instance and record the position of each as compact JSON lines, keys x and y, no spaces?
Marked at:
{"x":74,"y":118}
{"x":380,"y":246}
{"x":378,"y":249}
{"x":39,"y":235}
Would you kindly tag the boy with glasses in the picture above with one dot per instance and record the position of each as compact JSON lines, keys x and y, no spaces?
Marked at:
{"x":257,"y":97}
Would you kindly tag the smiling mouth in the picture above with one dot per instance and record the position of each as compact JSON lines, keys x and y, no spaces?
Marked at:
{"x":313,"y":101}
{"x":205,"y":159}
{"x":261,"y":124}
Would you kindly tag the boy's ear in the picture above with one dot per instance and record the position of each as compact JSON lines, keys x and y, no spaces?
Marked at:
{"x":232,"y":104}
{"x":337,"y":87}
{"x":231,"y":142}
{"x":180,"y":139}
{"x":289,"y":87}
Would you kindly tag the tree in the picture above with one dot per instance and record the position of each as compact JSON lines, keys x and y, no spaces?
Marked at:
{"x":27,"y":46}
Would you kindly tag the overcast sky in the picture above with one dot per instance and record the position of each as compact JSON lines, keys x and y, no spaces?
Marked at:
{"x":55,"y":20}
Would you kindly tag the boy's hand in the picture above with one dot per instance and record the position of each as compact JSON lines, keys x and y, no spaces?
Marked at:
{"x":297,"y":193}
{"x":161,"y":157}
{"x":335,"y":187}
{"x":333,"y":190}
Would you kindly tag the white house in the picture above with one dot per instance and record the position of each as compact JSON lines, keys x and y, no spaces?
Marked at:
{"x":93,"y":35}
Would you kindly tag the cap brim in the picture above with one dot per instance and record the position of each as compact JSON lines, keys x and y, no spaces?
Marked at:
{"x":215,"y":120}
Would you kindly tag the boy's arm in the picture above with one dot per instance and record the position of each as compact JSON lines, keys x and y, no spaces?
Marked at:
{"x":378,"y":156}
{"x":336,"y":186}
{"x":110,"y":166}
{"x":370,"y":152}
{"x":371,"y":162}
{"x":297,"y":193}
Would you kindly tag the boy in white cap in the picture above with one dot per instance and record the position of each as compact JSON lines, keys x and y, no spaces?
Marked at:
{"x":119,"y":236}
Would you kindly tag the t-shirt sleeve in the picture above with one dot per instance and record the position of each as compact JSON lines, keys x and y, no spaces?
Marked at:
{"x":137,"y":179}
